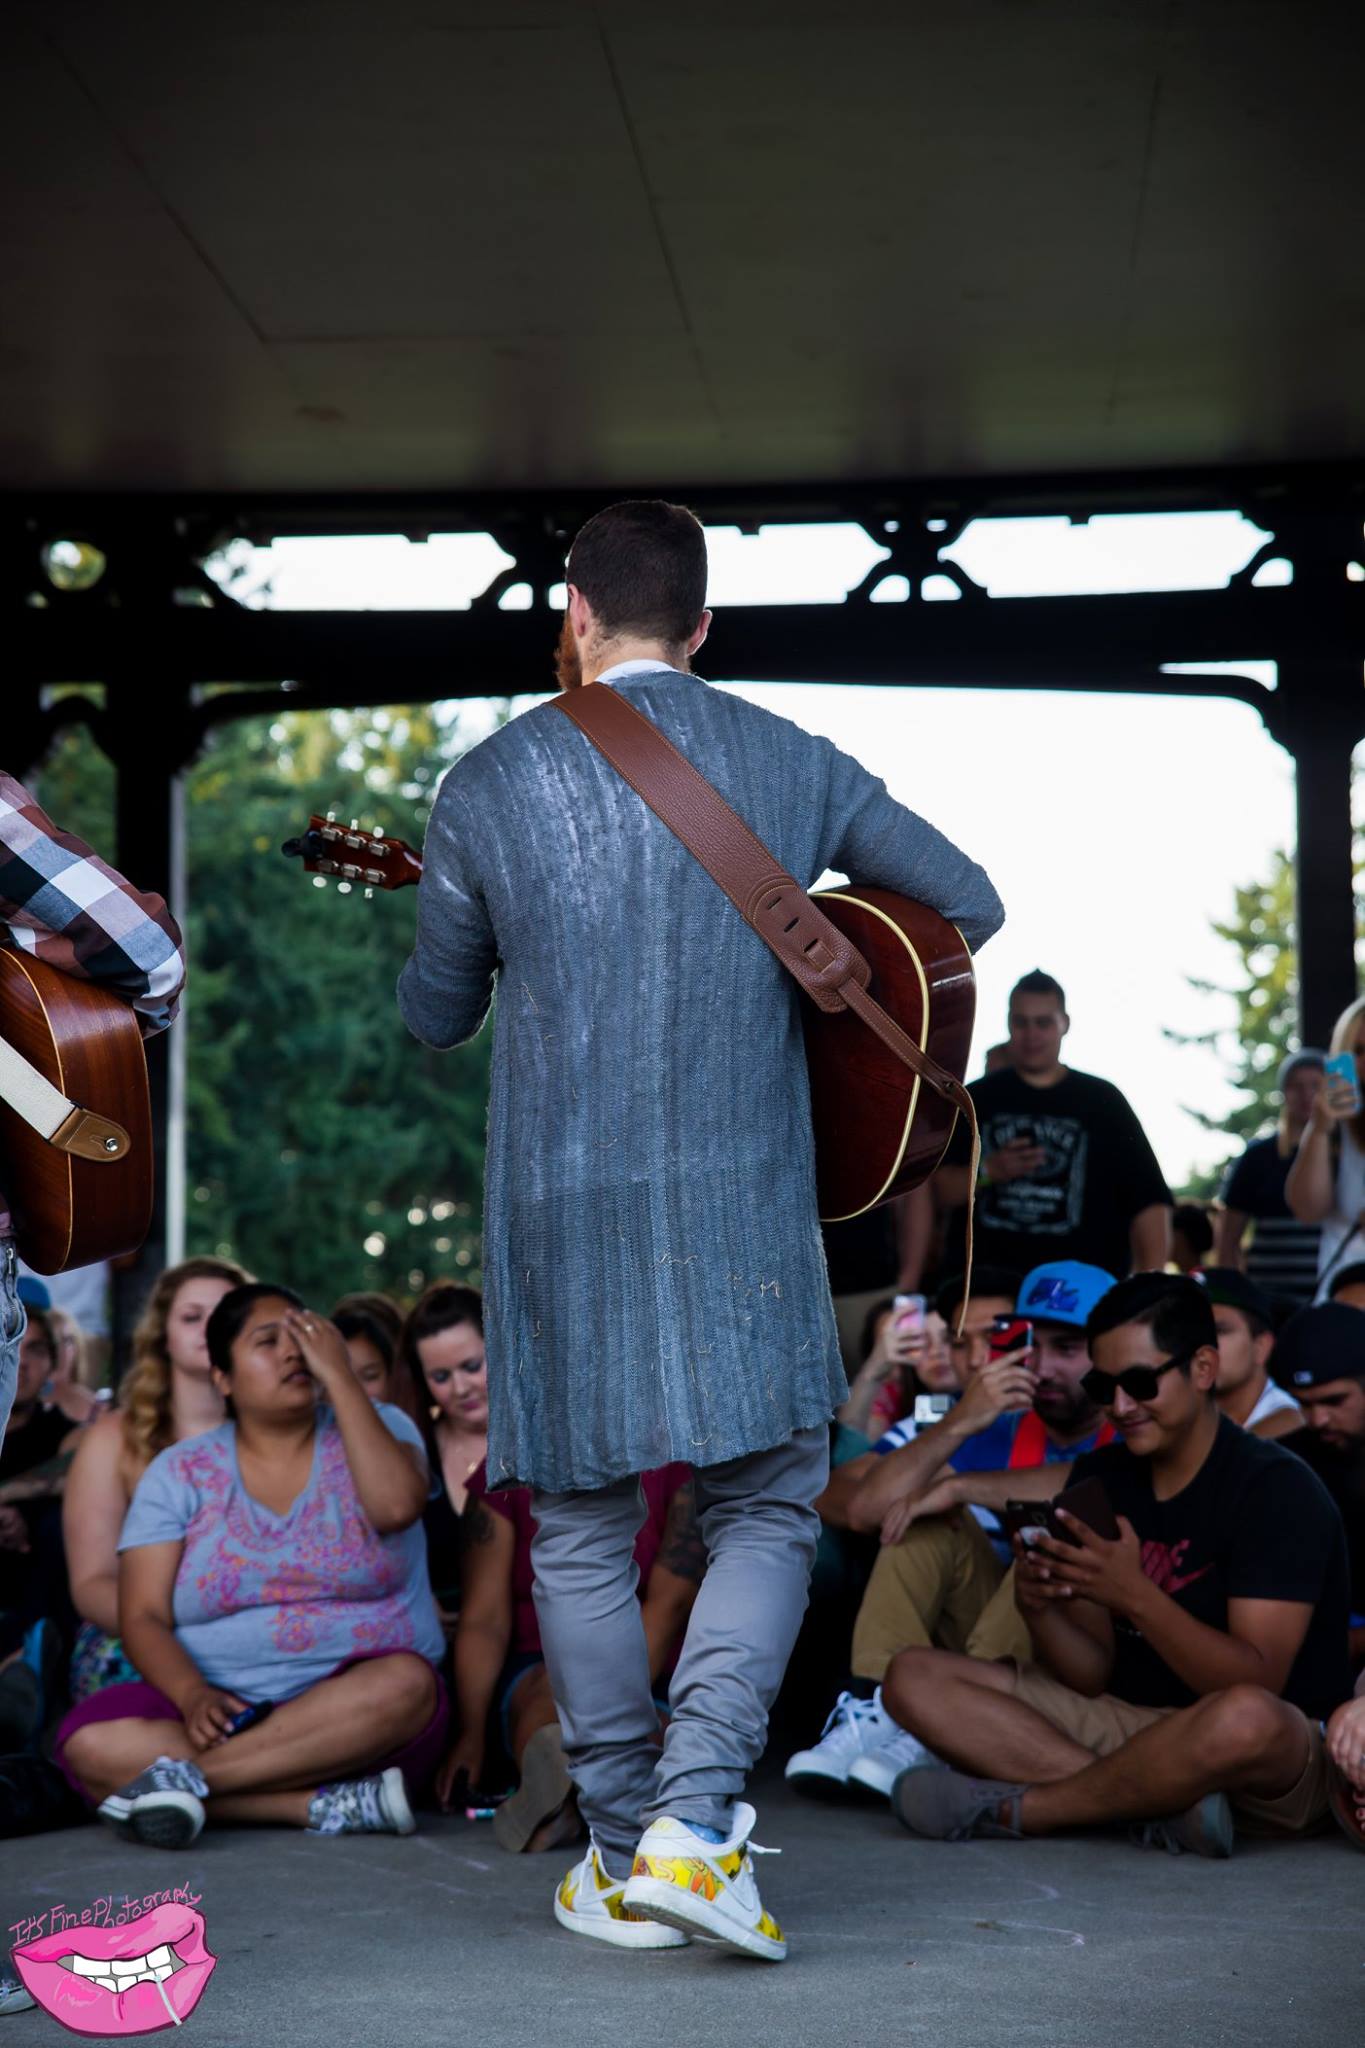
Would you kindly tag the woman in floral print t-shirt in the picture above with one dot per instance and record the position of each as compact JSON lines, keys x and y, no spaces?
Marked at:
{"x":278,"y":1561}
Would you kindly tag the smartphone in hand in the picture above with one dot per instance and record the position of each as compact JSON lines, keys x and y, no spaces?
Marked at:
{"x":1341,"y":1069}
{"x":908,"y":1312}
{"x":1010,"y":1333}
{"x":249,"y":1717}
{"x":1087,"y":1501}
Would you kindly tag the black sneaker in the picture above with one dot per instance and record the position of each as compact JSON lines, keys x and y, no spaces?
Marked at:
{"x":163,"y":1805}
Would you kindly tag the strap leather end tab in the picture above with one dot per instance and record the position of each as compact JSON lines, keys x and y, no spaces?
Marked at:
{"x":87,"y":1136}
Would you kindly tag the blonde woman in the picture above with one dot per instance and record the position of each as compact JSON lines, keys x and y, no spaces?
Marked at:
{"x":167,"y":1395}
{"x":1326,"y":1183}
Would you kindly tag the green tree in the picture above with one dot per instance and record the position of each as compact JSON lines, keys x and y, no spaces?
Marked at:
{"x":325,"y":1146}
{"x":1263,"y":994}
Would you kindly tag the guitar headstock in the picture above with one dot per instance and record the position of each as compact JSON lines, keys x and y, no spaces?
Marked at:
{"x":353,"y":857}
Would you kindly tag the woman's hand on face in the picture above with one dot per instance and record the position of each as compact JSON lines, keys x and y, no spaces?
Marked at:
{"x":461,"y":1771}
{"x":208,"y":1714}
{"x":321,"y":1343}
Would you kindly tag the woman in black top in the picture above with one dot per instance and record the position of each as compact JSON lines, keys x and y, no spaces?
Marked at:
{"x":442,"y":1346}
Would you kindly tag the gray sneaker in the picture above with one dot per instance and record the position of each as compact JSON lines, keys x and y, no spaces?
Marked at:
{"x":1204,"y":1829}
{"x":365,"y":1806}
{"x":13,"y":1997}
{"x":163,"y":1805}
{"x":948,"y":1806}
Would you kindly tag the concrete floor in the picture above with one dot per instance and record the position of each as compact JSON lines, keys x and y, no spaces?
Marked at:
{"x":441,"y":1939}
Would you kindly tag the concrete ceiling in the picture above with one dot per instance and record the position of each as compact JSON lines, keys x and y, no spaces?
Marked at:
{"x":333,"y":244}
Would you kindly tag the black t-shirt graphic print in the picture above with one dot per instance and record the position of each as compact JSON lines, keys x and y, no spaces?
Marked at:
{"x":1253,"y":1524}
{"x":1098,"y":1173}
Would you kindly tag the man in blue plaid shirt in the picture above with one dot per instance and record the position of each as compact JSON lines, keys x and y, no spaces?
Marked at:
{"x":61,"y":903}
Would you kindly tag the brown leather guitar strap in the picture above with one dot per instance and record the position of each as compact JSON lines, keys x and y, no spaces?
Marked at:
{"x":830,"y":969}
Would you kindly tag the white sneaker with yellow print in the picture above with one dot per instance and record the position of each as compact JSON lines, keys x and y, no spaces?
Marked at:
{"x":707,"y":1889}
{"x":589,"y":1902}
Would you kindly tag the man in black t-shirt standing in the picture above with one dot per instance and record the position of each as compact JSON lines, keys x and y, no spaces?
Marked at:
{"x":1066,"y":1169}
{"x":1182,"y":1669}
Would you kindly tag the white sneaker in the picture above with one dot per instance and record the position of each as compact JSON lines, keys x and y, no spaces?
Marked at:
{"x":706,"y":1889}
{"x":878,"y":1769}
{"x":856,"y":1728}
{"x":589,"y":1902}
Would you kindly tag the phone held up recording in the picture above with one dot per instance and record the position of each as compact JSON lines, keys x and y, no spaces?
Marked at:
{"x":908,"y":1312}
{"x":1010,"y":1333}
{"x":1341,"y":1068}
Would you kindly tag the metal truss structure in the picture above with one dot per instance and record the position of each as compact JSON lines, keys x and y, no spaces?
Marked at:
{"x":163,"y":640}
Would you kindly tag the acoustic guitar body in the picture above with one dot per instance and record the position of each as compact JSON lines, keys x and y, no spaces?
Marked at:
{"x":70,"y":1211}
{"x":880,"y":1130}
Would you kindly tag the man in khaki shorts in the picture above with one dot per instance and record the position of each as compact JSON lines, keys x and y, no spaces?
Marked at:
{"x":1181,"y":1671}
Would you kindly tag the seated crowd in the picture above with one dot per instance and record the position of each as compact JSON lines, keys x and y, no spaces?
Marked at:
{"x":1093,"y":1552}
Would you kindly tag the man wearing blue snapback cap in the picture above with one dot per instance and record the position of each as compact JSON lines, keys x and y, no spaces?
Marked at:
{"x":943,"y":1577}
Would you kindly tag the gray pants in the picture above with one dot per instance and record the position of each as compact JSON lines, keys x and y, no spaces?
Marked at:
{"x":13,"y":1323}
{"x":760,"y":1529}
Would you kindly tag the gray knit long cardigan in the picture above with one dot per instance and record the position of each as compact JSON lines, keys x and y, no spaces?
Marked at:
{"x":655,"y":1282}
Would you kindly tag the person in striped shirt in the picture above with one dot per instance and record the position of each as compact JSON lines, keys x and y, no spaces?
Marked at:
{"x":60,"y":903}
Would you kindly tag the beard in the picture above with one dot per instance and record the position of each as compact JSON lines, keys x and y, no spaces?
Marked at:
{"x":568,"y":667}
{"x":1065,"y":1409}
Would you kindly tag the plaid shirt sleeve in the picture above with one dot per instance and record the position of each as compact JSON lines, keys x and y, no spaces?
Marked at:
{"x":61,"y":903}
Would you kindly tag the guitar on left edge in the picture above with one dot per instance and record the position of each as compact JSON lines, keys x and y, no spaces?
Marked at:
{"x":80,"y":1185}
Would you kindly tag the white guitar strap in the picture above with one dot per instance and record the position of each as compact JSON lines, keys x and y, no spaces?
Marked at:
{"x":49,"y":1112}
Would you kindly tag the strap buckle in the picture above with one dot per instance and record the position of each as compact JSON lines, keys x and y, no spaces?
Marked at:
{"x":821,"y":957}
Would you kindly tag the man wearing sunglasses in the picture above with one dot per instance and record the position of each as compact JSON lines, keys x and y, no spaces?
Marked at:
{"x":1180,"y":1671}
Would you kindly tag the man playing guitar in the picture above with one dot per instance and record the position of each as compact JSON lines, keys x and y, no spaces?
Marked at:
{"x":655,"y":1285}
{"x":61,"y":904}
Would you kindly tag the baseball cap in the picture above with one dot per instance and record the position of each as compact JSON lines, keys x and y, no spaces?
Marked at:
{"x":1306,"y":1056}
{"x":1320,"y":1344}
{"x":1063,"y":1291}
{"x":1226,"y":1287}
{"x":34,"y":1293}
{"x":1349,"y":1276}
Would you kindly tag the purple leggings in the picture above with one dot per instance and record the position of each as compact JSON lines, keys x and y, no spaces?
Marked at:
{"x":417,"y":1759}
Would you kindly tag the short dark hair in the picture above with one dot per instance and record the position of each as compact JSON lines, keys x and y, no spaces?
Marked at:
{"x":1192,"y":1220}
{"x":642,"y":565}
{"x":225,"y":1325}
{"x":995,"y":1280}
{"x":1036,"y":983}
{"x":1172,"y":1306}
{"x":1349,"y":1276}
{"x":371,"y":1317}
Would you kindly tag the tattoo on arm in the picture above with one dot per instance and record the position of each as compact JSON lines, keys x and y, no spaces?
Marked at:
{"x":479,"y":1526}
{"x":683,"y":1550}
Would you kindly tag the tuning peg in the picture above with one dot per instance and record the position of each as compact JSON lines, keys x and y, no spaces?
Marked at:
{"x":319,"y":881}
{"x":343,"y":888}
{"x":355,"y":824}
{"x":332,"y":816}
{"x":369,"y":895}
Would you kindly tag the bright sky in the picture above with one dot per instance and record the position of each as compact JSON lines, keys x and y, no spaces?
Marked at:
{"x":1115,"y":827}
